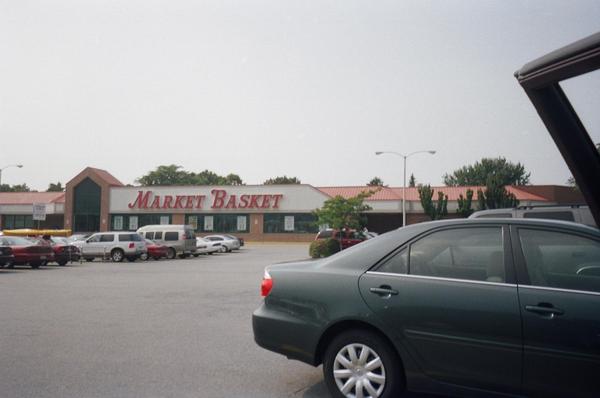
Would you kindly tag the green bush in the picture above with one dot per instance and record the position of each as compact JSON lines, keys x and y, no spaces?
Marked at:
{"x":324,"y":248}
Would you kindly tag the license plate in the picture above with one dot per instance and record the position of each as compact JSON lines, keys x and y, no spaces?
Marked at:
{"x":42,"y":257}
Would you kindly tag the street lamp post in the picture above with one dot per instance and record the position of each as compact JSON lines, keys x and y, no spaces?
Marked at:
{"x":6,"y":167}
{"x":404,"y":184}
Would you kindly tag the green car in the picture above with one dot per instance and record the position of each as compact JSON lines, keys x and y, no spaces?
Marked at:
{"x":501,"y":307}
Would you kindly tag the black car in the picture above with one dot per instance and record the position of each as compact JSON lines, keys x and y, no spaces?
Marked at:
{"x":503,"y":307}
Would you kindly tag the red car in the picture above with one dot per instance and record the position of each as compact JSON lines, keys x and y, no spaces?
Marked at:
{"x":27,"y":251}
{"x":64,"y":251}
{"x":155,"y":250}
{"x":349,"y":237}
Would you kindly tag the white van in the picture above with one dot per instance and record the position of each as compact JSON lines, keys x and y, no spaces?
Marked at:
{"x":180,"y":239}
{"x":574,"y":213}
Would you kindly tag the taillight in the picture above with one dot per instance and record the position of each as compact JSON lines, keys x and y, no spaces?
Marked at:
{"x":131,"y":245}
{"x":266,"y":285}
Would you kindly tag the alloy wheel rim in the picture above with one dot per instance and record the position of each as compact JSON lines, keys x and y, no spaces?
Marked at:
{"x":117,"y":256}
{"x":358,"y":372}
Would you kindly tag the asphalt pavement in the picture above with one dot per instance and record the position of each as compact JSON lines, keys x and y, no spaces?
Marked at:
{"x":179,"y":328}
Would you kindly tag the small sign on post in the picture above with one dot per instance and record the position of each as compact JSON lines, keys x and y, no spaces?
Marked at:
{"x":39,"y":211}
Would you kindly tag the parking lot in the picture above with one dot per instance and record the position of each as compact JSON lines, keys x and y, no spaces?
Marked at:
{"x":179,"y":328}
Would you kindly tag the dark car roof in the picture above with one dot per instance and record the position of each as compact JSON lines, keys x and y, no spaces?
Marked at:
{"x":370,"y":251}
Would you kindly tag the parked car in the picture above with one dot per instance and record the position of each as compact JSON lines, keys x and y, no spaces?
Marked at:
{"x":576,"y":213}
{"x":154,"y":250}
{"x":227,"y":244}
{"x":27,"y":251}
{"x":348,"y":238}
{"x":64,"y":251}
{"x":180,"y":239}
{"x":205,"y":246}
{"x":114,"y":245}
{"x":6,"y":255}
{"x":502,"y":306}
{"x":78,"y":237}
{"x":241,"y":240}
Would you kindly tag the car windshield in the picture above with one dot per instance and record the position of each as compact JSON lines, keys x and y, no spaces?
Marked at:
{"x":16,"y":241}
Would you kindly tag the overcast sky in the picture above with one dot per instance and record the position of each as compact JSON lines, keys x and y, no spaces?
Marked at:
{"x":265,"y":88}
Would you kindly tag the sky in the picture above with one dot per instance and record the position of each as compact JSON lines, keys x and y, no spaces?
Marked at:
{"x":309,"y":89}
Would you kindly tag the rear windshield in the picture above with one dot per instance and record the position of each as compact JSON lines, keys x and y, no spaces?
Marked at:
{"x":171,"y":236}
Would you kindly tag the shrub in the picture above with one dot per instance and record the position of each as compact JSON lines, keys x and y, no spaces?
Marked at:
{"x":324,"y":248}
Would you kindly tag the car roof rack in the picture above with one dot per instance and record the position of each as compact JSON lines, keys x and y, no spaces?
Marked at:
{"x":571,"y":205}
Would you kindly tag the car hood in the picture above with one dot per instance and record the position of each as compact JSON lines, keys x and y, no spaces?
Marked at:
{"x":540,"y":79}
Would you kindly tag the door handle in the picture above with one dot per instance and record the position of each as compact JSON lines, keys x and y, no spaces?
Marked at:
{"x":544,"y":309}
{"x":383,"y":291}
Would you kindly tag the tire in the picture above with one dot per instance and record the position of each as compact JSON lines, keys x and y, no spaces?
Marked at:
{"x":384,"y":378}
{"x":117,"y":255}
{"x":210,"y":253}
{"x":62,"y":263}
{"x":130,"y":259}
{"x":223,"y":249}
{"x":89,"y":259}
{"x":171,"y":253}
{"x":157,"y":258}
{"x":10,"y":265}
{"x":196,"y":254}
{"x":35,"y":265}
{"x":144,"y":257}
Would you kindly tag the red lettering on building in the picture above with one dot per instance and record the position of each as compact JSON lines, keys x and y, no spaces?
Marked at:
{"x":243,"y":202}
{"x":254,"y":201}
{"x":199,"y":200}
{"x":189,"y":202}
{"x":219,"y":199}
{"x":179,"y":202}
{"x":156,"y":202}
{"x":231,"y":202}
{"x":141,"y":202}
{"x":266,"y":202}
{"x":167,"y":202}
{"x":277,"y":197}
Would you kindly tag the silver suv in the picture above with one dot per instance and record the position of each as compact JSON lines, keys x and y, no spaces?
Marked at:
{"x":113,"y":245}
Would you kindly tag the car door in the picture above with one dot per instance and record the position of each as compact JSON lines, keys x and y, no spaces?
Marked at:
{"x":90,"y":246}
{"x":450,"y":299}
{"x":559,"y":291}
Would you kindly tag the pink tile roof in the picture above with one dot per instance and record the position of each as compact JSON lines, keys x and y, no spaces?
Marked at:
{"x":412,"y":194}
{"x":25,"y":198}
{"x":106,"y":176}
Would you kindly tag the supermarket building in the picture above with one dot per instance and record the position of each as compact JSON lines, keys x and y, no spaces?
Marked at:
{"x":95,"y":200}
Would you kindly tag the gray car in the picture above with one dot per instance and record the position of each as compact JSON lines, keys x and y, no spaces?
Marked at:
{"x":114,"y":245}
{"x":498,"y":306}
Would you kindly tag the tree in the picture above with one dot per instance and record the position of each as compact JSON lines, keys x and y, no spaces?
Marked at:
{"x":495,"y":196}
{"x":464,"y":204}
{"x":172,"y":175}
{"x":282,"y":180}
{"x":166,"y":175}
{"x":15,"y":188}
{"x":339,"y":212}
{"x":506,"y":172}
{"x":55,"y":187}
{"x":412,"y":182}
{"x":375,"y":182}
{"x":435,"y":210}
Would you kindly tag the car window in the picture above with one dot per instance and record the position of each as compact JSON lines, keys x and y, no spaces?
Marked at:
{"x":325,"y":234}
{"x":171,"y":236}
{"x":149,"y":235}
{"x":107,"y":238}
{"x":158,"y":235}
{"x":93,"y":239}
{"x":461,"y":253}
{"x":396,"y":264}
{"x":125,"y":237}
{"x":553,"y":215}
{"x":561,"y":260}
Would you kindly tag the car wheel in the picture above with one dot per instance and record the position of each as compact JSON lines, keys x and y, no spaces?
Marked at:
{"x":10,"y":265}
{"x":130,"y":259}
{"x":117,"y":255}
{"x":62,"y":263}
{"x":360,"y":363}
{"x":171,"y":253}
{"x":35,"y":265}
{"x":89,"y":259}
{"x":196,"y":254}
{"x":210,"y":253}
{"x":144,"y":256}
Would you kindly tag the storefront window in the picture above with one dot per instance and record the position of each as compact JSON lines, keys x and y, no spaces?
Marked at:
{"x":127,"y":222}
{"x":219,"y":223}
{"x":17,"y":221}
{"x":290,"y":223}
